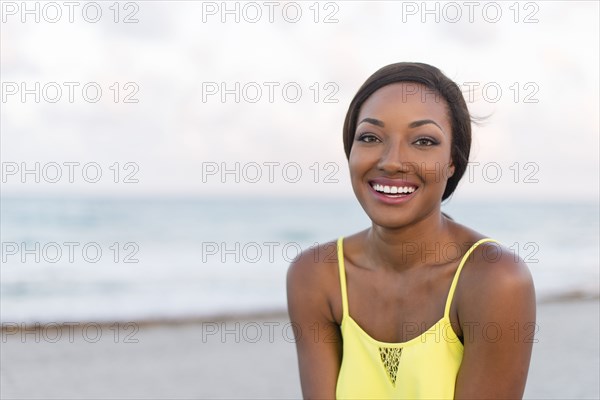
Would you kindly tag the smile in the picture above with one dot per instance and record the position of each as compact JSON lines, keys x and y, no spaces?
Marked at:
{"x":393,"y":189}
{"x":393,"y":194}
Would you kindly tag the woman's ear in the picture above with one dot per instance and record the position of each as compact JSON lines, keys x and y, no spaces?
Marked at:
{"x":450,"y":169}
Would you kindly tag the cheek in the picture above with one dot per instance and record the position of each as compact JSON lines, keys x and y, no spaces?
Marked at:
{"x":436,"y":167}
{"x":435,"y":174}
{"x":356,"y":161}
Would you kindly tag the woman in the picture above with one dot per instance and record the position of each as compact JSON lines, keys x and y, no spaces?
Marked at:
{"x":389,"y":317}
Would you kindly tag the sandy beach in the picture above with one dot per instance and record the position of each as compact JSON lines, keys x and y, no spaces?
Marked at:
{"x":250,"y":357}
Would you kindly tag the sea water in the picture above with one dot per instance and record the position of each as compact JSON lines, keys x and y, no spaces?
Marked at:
{"x":102,"y":259}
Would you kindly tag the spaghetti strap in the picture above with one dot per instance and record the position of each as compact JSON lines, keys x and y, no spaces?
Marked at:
{"x":342,"y":269}
{"x":457,"y":274}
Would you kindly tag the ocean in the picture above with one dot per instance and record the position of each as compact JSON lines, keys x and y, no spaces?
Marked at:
{"x":109,"y":259}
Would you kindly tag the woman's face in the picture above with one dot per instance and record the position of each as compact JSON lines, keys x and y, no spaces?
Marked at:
{"x":400,"y":160}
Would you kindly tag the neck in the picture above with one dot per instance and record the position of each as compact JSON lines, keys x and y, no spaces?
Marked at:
{"x":400,"y":249}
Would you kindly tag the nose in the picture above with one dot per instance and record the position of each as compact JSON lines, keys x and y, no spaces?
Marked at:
{"x":392,"y":159}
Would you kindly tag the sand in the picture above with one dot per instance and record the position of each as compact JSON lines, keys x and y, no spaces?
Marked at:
{"x":254,"y":357}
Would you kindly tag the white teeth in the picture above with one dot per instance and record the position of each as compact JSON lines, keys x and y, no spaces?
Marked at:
{"x":393,"y":189}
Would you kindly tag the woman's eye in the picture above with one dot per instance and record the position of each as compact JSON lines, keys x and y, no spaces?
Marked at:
{"x":426,"y":142}
{"x":367,"y":138}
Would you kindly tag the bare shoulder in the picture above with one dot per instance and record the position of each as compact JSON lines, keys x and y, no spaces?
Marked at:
{"x":313,"y":276}
{"x":314,"y":264}
{"x":495,"y":283}
{"x":497,"y":269}
{"x":491,"y":265}
{"x":496,"y":313}
{"x":311,"y":281}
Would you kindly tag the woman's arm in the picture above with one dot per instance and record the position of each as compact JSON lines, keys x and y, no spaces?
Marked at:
{"x":318,"y":340}
{"x":496,"y":311}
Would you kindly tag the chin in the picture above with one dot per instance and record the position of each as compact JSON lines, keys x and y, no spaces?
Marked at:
{"x":401,"y":215}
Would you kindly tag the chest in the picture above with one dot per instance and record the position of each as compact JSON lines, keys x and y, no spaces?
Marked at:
{"x":397,"y":307}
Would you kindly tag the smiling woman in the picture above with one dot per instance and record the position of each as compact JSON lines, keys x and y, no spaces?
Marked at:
{"x":389,"y":316}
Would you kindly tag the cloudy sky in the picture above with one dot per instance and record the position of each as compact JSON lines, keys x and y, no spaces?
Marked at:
{"x":197,"y":98}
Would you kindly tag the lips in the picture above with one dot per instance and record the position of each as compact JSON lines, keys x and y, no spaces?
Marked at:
{"x":393,"y":191}
{"x":388,"y":185}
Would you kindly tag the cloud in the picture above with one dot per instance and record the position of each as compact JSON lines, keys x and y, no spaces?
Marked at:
{"x":170,"y":55}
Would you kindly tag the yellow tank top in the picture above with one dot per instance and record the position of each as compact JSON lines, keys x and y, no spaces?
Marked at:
{"x":424,"y":367}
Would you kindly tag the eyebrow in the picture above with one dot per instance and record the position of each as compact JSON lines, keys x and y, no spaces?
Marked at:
{"x":422,"y":122}
{"x":373,"y":121}
{"x":414,"y":124}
